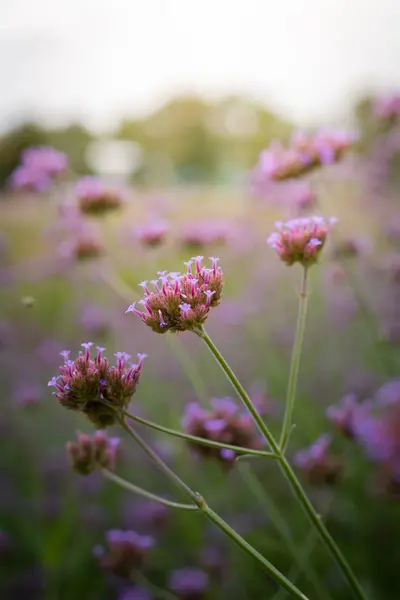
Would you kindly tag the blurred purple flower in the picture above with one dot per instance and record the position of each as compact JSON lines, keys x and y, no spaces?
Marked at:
{"x":189,"y":583}
{"x":88,"y":453}
{"x":204,"y":233}
{"x":151,"y":233}
{"x":28,"y":394}
{"x":40,"y":165}
{"x":95,"y":197}
{"x":125,"y":552}
{"x":93,"y":320}
{"x":317,"y":463}
{"x":135,"y":593}
{"x":387,"y":106}
{"x":224,"y":422}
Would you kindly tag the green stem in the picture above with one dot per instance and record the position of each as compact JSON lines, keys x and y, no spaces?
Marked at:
{"x":240,"y":391}
{"x":280,"y":524}
{"x":141,"y":492}
{"x":295,"y":363}
{"x":199,"y":440}
{"x":287,"y":470}
{"x":212,"y":516}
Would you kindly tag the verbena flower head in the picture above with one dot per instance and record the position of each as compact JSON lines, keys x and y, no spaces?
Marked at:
{"x":189,"y":583}
{"x":224,"y":422}
{"x":304,"y":153}
{"x":125,"y":552}
{"x":317,"y":463}
{"x":135,"y":593}
{"x":181,"y":302}
{"x":83,"y":246}
{"x":85,"y":383}
{"x":200,"y":234}
{"x":301,"y":240}
{"x":342,"y":415}
{"x":96,"y":197}
{"x":377,"y":430}
{"x":387,"y":107}
{"x":40,"y":165}
{"x":152,"y":233}
{"x":89,"y":453}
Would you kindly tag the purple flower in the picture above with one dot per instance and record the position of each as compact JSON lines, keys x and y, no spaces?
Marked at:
{"x":317,"y":463}
{"x":387,"y":107}
{"x":96,"y":197}
{"x":93,"y":320}
{"x":301,"y":240}
{"x":85,"y":383}
{"x":125,"y":551}
{"x":27,"y":394}
{"x":189,"y":583}
{"x":40,"y":165}
{"x":304,"y":153}
{"x":152,"y":233}
{"x":343,"y":414}
{"x":224,"y":422}
{"x":181,"y":302}
{"x":135,"y":593}
{"x":90,"y":453}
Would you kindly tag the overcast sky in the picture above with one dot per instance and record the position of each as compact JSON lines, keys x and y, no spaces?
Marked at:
{"x":101,"y":59}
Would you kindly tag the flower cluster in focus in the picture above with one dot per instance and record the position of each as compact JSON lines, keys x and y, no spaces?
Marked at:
{"x":223,"y":423}
{"x":86,"y":383}
{"x":181,"y":302}
{"x":96,"y":197}
{"x":40,"y":166}
{"x":304,"y":153}
{"x":89,"y":453}
{"x":301,"y":240}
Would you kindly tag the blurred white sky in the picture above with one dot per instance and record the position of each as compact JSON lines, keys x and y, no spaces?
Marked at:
{"x":101,"y":59}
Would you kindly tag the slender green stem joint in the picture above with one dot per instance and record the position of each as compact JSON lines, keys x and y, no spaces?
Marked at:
{"x":200,"y":503}
{"x":287,"y":470}
{"x":295,"y":363}
{"x":127,"y":485}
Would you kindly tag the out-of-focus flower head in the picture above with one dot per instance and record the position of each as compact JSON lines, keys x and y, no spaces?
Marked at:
{"x":351,"y":247}
{"x":377,"y":430}
{"x":89,"y":453}
{"x":27,"y":394}
{"x":84,"y":245}
{"x":189,"y":583}
{"x":152,"y":233}
{"x":387,"y":107}
{"x":93,"y":320}
{"x":135,"y":593}
{"x":40,"y":165}
{"x":199,"y":234}
{"x":304,"y":153}
{"x":223,"y":423}
{"x":125,"y":552}
{"x":301,"y":240}
{"x":85,"y":383}
{"x":317,"y":463}
{"x":95,"y":197}
{"x":181,"y":302}
{"x":342,"y":414}
{"x":146,"y":513}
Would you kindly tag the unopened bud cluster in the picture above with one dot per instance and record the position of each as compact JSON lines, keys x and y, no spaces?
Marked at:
{"x":89,"y":453}
{"x":86,"y":384}
{"x":223,"y":423}
{"x":95,"y":197}
{"x":301,"y":240}
{"x":304,"y":153}
{"x":181,"y":302}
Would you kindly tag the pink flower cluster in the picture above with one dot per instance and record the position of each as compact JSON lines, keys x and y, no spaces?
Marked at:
{"x":85,"y":383}
{"x":125,"y":552}
{"x":88,"y":453}
{"x":223,"y":423}
{"x":387,"y":107}
{"x":96,"y":197}
{"x":181,"y":302}
{"x":40,"y":165}
{"x":202,"y":233}
{"x":301,"y":240}
{"x":317,"y":463}
{"x":152,"y":233}
{"x":304,"y":153}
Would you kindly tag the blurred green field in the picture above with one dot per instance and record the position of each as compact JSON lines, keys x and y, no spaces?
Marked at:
{"x":53,"y":518}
